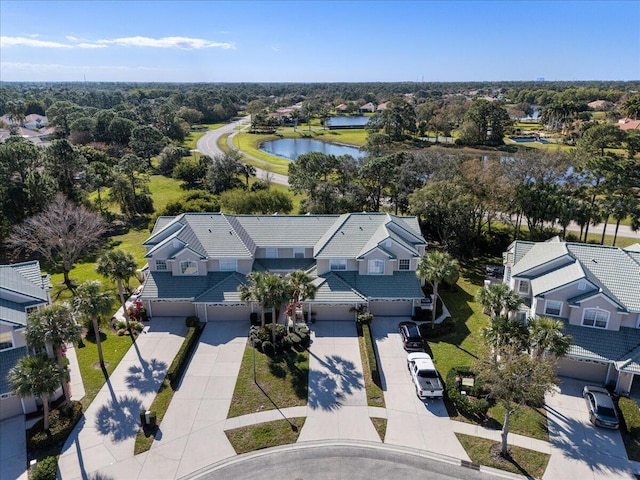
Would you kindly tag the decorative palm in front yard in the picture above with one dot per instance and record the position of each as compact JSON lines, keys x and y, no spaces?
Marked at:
{"x":92,"y":304}
{"x":437,"y":267}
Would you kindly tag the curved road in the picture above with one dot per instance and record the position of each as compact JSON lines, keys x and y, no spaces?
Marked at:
{"x":346,"y":460}
{"x":208,"y":145}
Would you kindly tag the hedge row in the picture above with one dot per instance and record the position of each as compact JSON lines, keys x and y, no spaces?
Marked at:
{"x":61,"y":422}
{"x":372,"y":356}
{"x":469,"y":404}
{"x":45,"y":469}
{"x":175,"y":371}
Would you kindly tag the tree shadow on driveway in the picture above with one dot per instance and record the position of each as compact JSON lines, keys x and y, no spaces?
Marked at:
{"x":119,"y":418}
{"x":147,"y":377}
{"x":329,"y":387}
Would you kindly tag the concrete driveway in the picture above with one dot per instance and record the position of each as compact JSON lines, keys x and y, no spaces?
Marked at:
{"x":13,"y":448}
{"x":581,"y":450}
{"x":411,"y":422}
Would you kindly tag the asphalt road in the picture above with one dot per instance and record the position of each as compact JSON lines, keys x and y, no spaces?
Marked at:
{"x":208,"y":145}
{"x":338,"y":462}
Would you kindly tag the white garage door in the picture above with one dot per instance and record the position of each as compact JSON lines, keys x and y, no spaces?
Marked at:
{"x":172,"y":309}
{"x":391,"y":308}
{"x":583,"y":370}
{"x":10,"y":407}
{"x":334,"y":312}
{"x":228,"y":312}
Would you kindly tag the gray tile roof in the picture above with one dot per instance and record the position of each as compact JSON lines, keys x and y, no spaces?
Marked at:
{"x":606,"y":345}
{"x":165,"y":285}
{"x":8,"y":360}
{"x":286,"y":230}
{"x":333,"y":289}
{"x":224,"y":291}
{"x":398,"y":285}
{"x":26,"y":279}
{"x":612,"y":270}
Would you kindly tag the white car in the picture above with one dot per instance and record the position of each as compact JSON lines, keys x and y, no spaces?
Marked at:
{"x":425,"y":376}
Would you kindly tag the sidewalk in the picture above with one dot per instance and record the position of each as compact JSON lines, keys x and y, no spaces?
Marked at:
{"x":106,"y":433}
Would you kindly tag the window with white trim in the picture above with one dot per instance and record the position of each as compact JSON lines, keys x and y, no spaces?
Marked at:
{"x":523,"y":287}
{"x":272,"y":252}
{"x":6,"y":340}
{"x":31,"y":310}
{"x":161,"y":265}
{"x":404,"y":264}
{"x":338,"y":264}
{"x":188,"y":267}
{"x":507,"y":274}
{"x":228,"y":265}
{"x":596,"y":318}
{"x":553,"y":308}
{"x":582,"y":285}
{"x":298,"y":252}
{"x":376,"y":266}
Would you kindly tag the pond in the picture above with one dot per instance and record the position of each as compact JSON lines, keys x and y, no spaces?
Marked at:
{"x":292,"y":148}
{"x":347,"y":122}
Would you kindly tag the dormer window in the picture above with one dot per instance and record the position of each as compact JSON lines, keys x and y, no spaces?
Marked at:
{"x":338,"y":263}
{"x":404,"y":264}
{"x":161,"y":265}
{"x":188,"y":267}
{"x":376,"y":267}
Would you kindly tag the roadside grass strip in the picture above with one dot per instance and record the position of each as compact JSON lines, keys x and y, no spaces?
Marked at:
{"x":631,"y":427}
{"x":380,"y":425}
{"x":265,"y":435}
{"x":486,"y":452}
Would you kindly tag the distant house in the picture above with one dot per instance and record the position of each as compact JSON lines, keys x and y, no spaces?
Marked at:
{"x":595,"y":291}
{"x":382,"y":107}
{"x":601,"y":105}
{"x":23,"y":290}
{"x":198,"y":260}
{"x":628,"y":124}
{"x":342,"y":108}
{"x":35,"y":121}
{"x":367,"y":108}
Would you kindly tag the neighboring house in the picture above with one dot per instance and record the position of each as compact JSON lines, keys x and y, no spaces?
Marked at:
{"x":595,"y":291}
{"x":602,"y":105}
{"x":367,"y":108}
{"x":342,"y":109}
{"x":382,"y":107}
{"x":41,"y":137}
{"x":30,"y":122}
{"x":198,"y":260}
{"x":23,"y":290}
{"x":628,"y":124}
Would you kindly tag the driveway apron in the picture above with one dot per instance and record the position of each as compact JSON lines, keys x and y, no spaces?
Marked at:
{"x":411,"y":422}
{"x":580,"y":449}
{"x":191,"y":435}
{"x":105,"y":435}
{"x":337,"y":406}
{"x":13,"y":448}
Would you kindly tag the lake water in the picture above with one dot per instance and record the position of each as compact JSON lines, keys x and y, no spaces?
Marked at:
{"x":292,"y":148}
{"x":347,"y":121}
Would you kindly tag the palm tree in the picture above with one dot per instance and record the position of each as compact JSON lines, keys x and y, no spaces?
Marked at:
{"x":119,"y":266}
{"x":506,"y":332}
{"x":91,"y":303}
{"x":545,"y":335}
{"x":37,"y":376}
{"x":254,"y":291}
{"x":276,"y":293}
{"x":300,"y":288}
{"x":54,"y":325}
{"x":248,"y":171}
{"x":498,"y":299}
{"x":437,"y":267}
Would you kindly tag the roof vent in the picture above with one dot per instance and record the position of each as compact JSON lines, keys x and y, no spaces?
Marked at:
{"x":594,"y":260}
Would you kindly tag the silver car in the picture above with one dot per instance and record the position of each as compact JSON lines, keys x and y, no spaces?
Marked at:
{"x":602,"y":411}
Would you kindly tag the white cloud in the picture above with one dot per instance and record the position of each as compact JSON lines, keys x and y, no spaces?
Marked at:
{"x":30,"y":42}
{"x":183,"y":43}
{"x":89,"y":45}
{"x":71,"y":39}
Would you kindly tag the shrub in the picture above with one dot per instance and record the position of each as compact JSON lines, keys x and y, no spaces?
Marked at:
{"x":469,"y":404}
{"x":372,"y":357}
{"x":122,"y":331}
{"x":46,"y":469}
{"x":61,"y":422}
{"x":137,"y":326}
{"x":295,"y":338}
{"x":268,"y":348}
{"x":429,"y":331}
{"x":365,"y":318}
{"x":305,"y":338}
{"x":121,"y":325}
{"x":192,"y":321}
{"x":174,"y":373}
{"x":630,"y":416}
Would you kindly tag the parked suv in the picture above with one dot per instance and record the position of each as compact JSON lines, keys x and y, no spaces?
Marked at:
{"x":411,"y":338}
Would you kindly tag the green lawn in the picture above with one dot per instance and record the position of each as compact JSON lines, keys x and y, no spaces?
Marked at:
{"x":265,"y":435}
{"x":113,"y":349}
{"x":531,"y":422}
{"x":284,"y":382}
{"x":523,"y":461}
{"x":375,"y":395}
{"x":380,"y":424}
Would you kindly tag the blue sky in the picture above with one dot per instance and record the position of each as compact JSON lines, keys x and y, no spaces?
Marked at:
{"x":309,"y":41}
